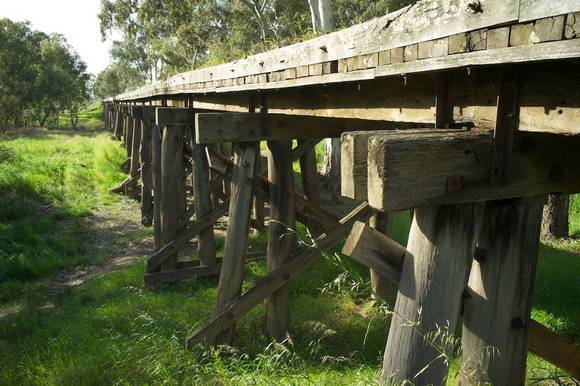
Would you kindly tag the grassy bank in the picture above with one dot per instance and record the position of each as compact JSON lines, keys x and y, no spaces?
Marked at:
{"x":50,"y":182}
{"x":111,"y":330}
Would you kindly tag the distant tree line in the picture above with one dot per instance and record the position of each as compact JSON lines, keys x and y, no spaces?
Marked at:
{"x":164,"y":37}
{"x":41,"y":77}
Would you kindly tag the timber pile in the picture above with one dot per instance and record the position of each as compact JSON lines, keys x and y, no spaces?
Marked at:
{"x":464,"y":112}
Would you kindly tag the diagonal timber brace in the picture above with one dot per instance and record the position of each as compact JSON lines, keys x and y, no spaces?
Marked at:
{"x":186,"y":234}
{"x":377,"y":251}
{"x":300,"y":261}
{"x":304,"y":210}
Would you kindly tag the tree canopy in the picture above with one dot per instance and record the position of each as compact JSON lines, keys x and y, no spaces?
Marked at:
{"x":164,"y":37}
{"x":41,"y":76}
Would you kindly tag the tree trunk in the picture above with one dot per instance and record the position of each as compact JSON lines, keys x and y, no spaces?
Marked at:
{"x":555,"y":218}
{"x":331,"y":167}
{"x":322,"y":22}
{"x":325,"y":14}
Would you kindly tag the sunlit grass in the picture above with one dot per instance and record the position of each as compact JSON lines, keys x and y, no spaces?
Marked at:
{"x":111,"y":330}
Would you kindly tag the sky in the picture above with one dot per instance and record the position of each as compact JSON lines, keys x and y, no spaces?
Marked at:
{"x":77,"y":20}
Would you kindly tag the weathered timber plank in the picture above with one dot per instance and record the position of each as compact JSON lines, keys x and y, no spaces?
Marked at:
{"x":544,"y":87}
{"x":554,"y":348}
{"x":441,"y":241}
{"x":175,"y":116}
{"x":536,"y":9}
{"x":506,"y":125}
{"x":232,"y":272}
{"x":202,"y":203}
{"x":497,"y":312}
{"x":300,"y":261}
{"x":572,"y":28}
{"x":190,"y":269}
{"x":306,"y":212}
{"x":375,"y":250}
{"x":157,"y":183}
{"x":541,"y":341}
{"x":192,"y":229}
{"x":281,"y":232}
{"x":145,"y":153}
{"x":354,"y":155}
{"x":422,"y":21}
{"x":171,"y":173}
{"x":310,"y":180}
{"x":243,"y":127}
{"x":455,"y":168}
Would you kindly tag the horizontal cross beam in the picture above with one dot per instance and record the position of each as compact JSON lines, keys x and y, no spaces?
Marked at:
{"x":251,"y":127}
{"x":409,"y":171}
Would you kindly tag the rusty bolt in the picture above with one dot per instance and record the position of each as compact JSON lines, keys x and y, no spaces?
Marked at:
{"x":453,"y":184}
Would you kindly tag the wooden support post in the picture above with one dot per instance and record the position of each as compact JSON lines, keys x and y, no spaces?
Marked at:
{"x":171,"y":173}
{"x":118,"y":123}
{"x":157,"y":183}
{"x":301,"y":260}
{"x":145,"y":152}
{"x":131,"y":189}
{"x":383,"y":287}
{"x":507,"y":122}
{"x":202,"y":200}
{"x":496,"y":316}
{"x":281,"y":231}
{"x":232,"y":273}
{"x":258,"y":201}
{"x":310,"y":183}
{"x":441,"y":242}
{"x":190,"y":230}
{"x":129,"y":132}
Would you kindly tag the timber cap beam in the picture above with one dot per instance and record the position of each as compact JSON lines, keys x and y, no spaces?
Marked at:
{"x":250,"y":127}
{"x":174,"y":116}
{"x":409,"y":171}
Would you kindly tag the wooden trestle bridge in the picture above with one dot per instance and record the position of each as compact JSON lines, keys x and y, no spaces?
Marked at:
{"x":466,"y":111}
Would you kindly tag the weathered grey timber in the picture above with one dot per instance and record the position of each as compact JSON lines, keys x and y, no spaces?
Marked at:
{"x":310,"y":181}
{"x":281,"y":232}
{"x":232,"y":272}
{"x":146,"y":161}
{"x":410,"y":171}
{"x":157,"y":182}
{"x":375,"y":250}
{"x":384,"y":287}
{"x":236,"y":127}
{"x":301,"y":260}
{"x":371,"y":248}
{"x":202,"y":203}
{"x":131,"y":190}
{"x":441,"y":242}
{"x":496,"y":315}
{"x":171,"y":172}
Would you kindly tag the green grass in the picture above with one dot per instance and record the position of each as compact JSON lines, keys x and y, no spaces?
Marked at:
{"x":50,"y":182}
{"x":111,"y":330}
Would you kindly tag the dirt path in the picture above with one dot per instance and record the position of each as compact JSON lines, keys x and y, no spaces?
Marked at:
{"x":116,"y":235}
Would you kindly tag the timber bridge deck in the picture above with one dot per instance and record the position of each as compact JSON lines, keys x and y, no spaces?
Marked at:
{"x":467,"y":112}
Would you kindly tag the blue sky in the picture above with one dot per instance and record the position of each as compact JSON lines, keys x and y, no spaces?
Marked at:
{"x":75,"y":19}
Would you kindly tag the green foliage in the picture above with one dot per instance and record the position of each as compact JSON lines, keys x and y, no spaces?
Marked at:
{"x":164,"y":37}
{"x":40,"y":76}
{"x":116,"y":79}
